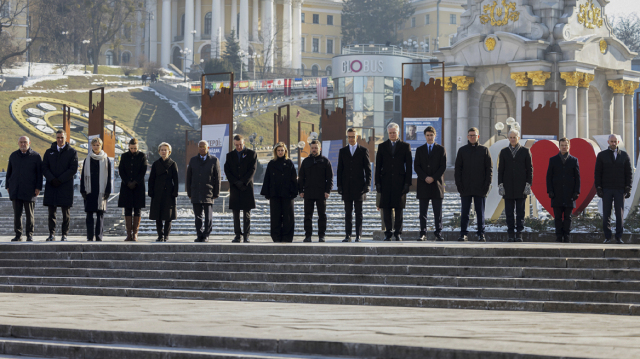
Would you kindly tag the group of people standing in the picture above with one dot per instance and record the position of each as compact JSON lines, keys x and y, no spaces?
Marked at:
{"x":313,"y":183}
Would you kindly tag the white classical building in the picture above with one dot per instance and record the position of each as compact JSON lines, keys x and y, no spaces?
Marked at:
{"x":504,"y":49}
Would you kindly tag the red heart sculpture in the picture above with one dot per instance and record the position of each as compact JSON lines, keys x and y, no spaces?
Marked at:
{"x":584,"y":150}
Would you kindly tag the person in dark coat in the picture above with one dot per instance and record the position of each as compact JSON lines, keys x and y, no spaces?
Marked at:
{"x":430,"y":164}
{"x":132,"y":169}
{"x":280,"y":187}
{"x":203,"y":186}
{"x":613,"y":175}
{"x":24,"y":183}
{"x":95,"y":187}
{"x":563,"y":187}
{"x":240,"y":167}
{"x":393,"y":179}
{"x":515,"y":173}
{"x":59,"y":165}
{"x":473,"y":173}
{"x":353,"y":182}
{"x":315,"y":181}
{"x":163,"y":190}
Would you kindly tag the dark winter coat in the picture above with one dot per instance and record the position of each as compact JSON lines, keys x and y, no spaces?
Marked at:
{"x":315,"y":177}
{"x":514,"y":173}
{"x":280,"y":179}
{"x":91,"y":200}
{"x":563,"y":180}
{"x":62,"y":165}
{"x":393,"y":172}
{"x":613,"y":173}
{"x":242,"y":170}
{"x":132,"y":168}
{"x":474,"y":170}
{"x":354,"y":173}
{"x":24,"y":175}
{"x":163,"y":190}
{"x":203,"y":179}
{"x":430,"y":165}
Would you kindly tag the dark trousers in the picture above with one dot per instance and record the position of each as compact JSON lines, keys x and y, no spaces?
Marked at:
{"x":207,"y":218}
{"x":613,"y":197}
{"x":28,"y":207}
{"x":163,"y":232}
{"x":396,"y":224}
{"x":514,"y":223}
{"x":282,"y":220}
{"x":66,"y":219}
{"x":436,"y":204}
{"x":99,"y":224}
{"x":349,"y":206}
{"x":246,"y":221}
{"x":562,"y":219}
{"x":129,"y":212}
{"x":479,"y":202}
{"x":308,"y":216}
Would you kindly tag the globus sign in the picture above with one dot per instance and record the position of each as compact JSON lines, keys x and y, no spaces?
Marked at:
{"x":368,"y":65}
{"x":356,"y":66}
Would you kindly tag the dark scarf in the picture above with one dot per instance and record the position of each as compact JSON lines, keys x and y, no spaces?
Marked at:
{"x":514,"y":150}
{"x":564,"y":157}
{"x":166,"y":163}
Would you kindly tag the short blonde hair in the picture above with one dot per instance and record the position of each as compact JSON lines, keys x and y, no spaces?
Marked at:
{"x":275,"y":150}
{"x":96,"y":139}
{"x":164,"y":144}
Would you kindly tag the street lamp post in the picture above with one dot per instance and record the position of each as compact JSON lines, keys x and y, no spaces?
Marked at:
{"x":193,"y":56}
{"x":241,"y":55}
{"x":85,"y":43}
{"x":185,"y":56}
{"x":29,"y":57}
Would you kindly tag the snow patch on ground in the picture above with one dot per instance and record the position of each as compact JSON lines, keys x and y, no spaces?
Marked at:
{"x":34,"y":80}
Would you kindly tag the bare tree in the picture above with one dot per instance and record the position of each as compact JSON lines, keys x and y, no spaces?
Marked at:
{"x":12,"y":13}
{"x":627,"y":29}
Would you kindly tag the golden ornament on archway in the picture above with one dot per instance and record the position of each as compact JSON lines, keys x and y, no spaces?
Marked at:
{"x":603,"y":46}
{"x":490,"y":43}
{"x":590,"y":16}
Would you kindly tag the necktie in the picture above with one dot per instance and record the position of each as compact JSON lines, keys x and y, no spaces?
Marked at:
{"x":429,"y":153}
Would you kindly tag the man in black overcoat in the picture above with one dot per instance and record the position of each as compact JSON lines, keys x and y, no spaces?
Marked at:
{"x":613,"y":177}
{"x":515,"y":173}
{"x":203,"y":186}
{"x":430,"y":164}
{"x":473,"y":172}
{"x":393,"y":178}
{"x":353,"y":182}
{"x":24,"y":182}
{"x":563,"y":187}
{"x":59,"y":165}
{"x":240,"y":167}
{"x":315,"y":181}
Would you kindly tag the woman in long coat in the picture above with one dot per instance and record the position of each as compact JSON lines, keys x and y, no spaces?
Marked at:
{"x":280,"y":187}
{"x":95,"y":187}
{"x":132,"y":169}
{"x":163,"y":190}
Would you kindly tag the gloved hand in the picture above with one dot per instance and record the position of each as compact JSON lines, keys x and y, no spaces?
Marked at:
{"x":627,"y":192}
{"x":405,"y":189}
{"x":501,"y":189}
{"x":56,"y":182}
{"x":575,"y":196}
{"x":238,"y":184}
{"x":132,"y":184}
{"x":84,"y":195}
{"x":527,"y":189}
{"x":340,"y":190}
{"x":378,"y":187}
{"x":599,"y":192}
{"x":366,"y":190}
{"x":552,"y":195}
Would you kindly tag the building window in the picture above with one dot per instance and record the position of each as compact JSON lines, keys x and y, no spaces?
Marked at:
{"x":314,"y":70}
{"x":329,"y":71}
{"x":315,"y":45}
{"x":108,"y":58}
{"x":126,"y":57}
{"x":413,"y":22}
{"x":207,"y":24}
{"x":329,"y":19}
{"x":316,"y":18}
{"x":127,"y":32}
{"x":302,"y":17}
{"x":452,"y":19}
{"x":329,"y":46}
{"x":426,"y":19}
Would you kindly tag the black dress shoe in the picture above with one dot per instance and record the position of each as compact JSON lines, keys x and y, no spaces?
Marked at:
{"x":205,"y":239}
{"x":164,"y":239}
{"x":246,"y":240}
{"x":307,"y":239}
{"x":357,"y":239}
{"x":518,"y":237}
{"x":160,"y":239}
{"x":346,"y":239}
{"x":98,"y":240}
{"x":387,"y":238}
{"x":463,"y":238}
{"x":89,"y":239}
{"x":64,"y":238}
{"x":236,"y":239}
{"x":439,"y":238}
{"x":422,"y":238}
{"x":199,"y":239}
{"x":567,"y":239}
{"x":398,"y":238}
{"x":482,"y":238}
{"x":16,"y":239}
{"x":607,"y":241}
{"x":321,"y":239}
{"x":29,"y":239}
{"x":619,"y":241}
{"x":51,"y":238}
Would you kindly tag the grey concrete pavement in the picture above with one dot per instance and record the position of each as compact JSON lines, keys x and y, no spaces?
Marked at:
{"x":553,"y":334}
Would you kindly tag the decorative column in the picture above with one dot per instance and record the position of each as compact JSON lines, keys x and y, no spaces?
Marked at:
{"x":447,"y":128}
{"x":165,"y":47}
{"x":538,"y":78}
{"x":153,"y":33}
{"x":254,"y":21}
{"x":198,"y":19}
{"x":244,"y":27}
{"x":215,"y":27}
{"x":223,"y":16}
{"x":234,"y":15}
{"x":286,"y":34}
{"x":138,"y":38}
{"x":297,"y":34}
{"x":618,"y":107}
{"x":522,"y":81}
{"x":571,"y":122}
{"x":583,"y":105}
{"x":267,"y":32}
{"x":175,"y":20}
{"x":188,"y":36}
{"x":629,"y":138}
{"x":462,"y":122}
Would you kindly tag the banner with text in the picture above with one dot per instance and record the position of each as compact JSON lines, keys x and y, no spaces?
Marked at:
{"x":331,"y":150}
{"x":414,"y":133}
{"x":217,"y":136}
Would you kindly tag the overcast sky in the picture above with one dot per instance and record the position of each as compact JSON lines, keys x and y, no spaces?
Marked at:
{"x":622,"y":7}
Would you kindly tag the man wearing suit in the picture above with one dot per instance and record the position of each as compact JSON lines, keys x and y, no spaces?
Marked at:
{"x":515,"y":173}
{"x":563,"y":187}
{"x":240,"y":167}
{"x":430,"y":164}
{"x":393,"y":179}
{"x":613,"y":184}
{"x":354,"y":182}
{"x":203,"y":186}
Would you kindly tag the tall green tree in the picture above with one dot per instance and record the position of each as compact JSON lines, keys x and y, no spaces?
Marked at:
{"x":365,"y":21}
{"x":231,"y":54}
{"x":627,"y":29}
{"x":216,"y":66}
